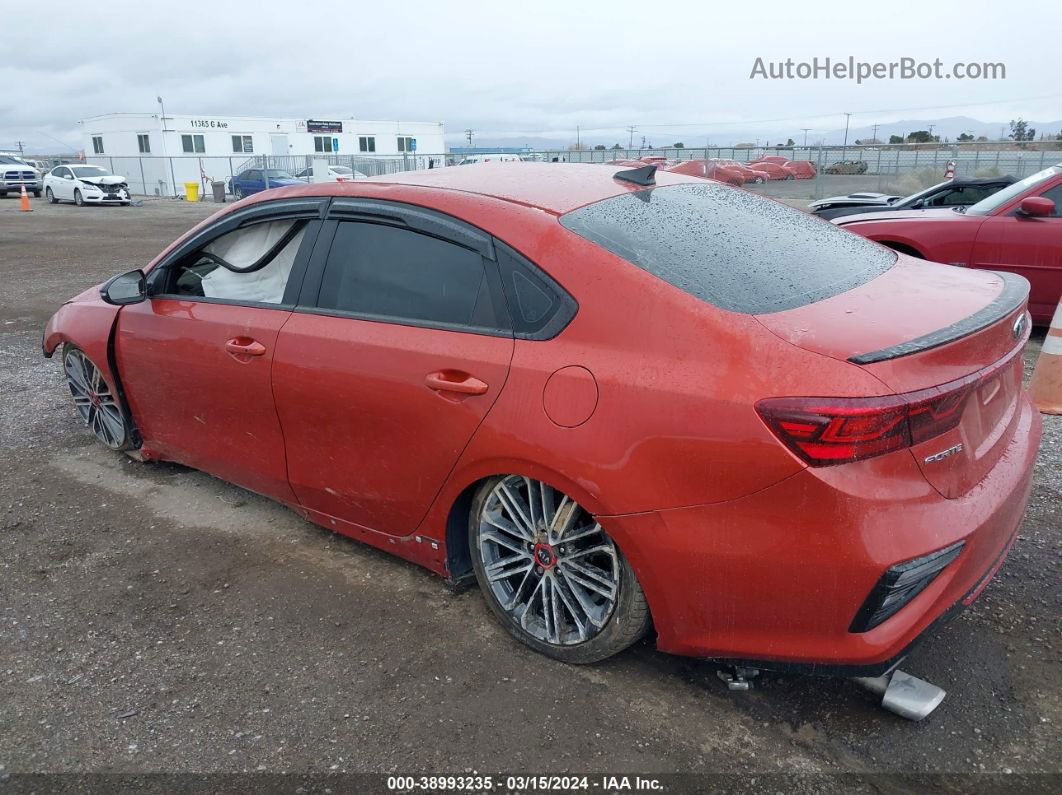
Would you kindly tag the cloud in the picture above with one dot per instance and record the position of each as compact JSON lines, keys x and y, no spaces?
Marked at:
{"x":503,"y":69}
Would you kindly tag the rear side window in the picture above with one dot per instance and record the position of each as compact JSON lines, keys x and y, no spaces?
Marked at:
{"x":731,"y":248}
{"x":389,"y":272}
{"x":538,"y":307}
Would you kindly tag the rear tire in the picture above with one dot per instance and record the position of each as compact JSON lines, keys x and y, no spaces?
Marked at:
{"x":237,"y":192}
{"x":551,"y":574}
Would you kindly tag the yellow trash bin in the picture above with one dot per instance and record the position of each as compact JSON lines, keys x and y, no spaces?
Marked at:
{"x":191,"y":191}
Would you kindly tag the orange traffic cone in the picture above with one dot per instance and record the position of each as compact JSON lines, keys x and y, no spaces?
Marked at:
{"x":1046,"y":386}
{"x":24,"y":206}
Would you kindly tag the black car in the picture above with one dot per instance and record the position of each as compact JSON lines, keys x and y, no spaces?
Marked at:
{"x":952,"y":193}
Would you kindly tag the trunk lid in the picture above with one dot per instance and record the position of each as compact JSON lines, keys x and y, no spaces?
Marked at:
{"x":927,"y":328}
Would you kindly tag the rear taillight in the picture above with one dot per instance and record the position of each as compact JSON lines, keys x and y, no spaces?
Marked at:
{"x":828,"y":431}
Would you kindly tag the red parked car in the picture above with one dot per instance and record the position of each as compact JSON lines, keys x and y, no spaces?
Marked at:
{"x":775,"y":171}
{"x":800,"y":169}
{"x":729,"y":171}
{"x":709,"y":169}
{"x":1017,"y":229}
{"x":613,"y":399}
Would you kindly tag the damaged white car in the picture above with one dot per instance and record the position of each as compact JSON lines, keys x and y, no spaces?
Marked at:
{"x":85,"y":185}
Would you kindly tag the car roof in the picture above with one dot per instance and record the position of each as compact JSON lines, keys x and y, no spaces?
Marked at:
{"x":555,"y":187}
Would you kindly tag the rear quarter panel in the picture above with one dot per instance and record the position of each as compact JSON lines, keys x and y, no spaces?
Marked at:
{"x":950,"y":242}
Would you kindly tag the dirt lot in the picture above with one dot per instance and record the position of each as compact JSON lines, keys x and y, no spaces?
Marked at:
{"x":153,"y":618}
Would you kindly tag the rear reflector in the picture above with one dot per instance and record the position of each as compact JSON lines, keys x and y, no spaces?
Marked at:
{"x":828,"y":431}
{"x":900,"y":584}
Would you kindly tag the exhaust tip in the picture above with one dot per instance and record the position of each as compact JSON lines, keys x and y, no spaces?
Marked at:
{"x":905,"y":695}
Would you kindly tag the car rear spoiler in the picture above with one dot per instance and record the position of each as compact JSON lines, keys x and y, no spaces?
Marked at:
{"x":1015,"y":292}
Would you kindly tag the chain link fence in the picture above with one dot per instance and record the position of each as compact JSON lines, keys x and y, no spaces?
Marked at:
{"x":901,"y":169}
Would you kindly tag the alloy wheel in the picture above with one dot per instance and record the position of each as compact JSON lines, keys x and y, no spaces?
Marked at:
{"x":78,"y":200}
{"x":50,"y":196}
{"x":549,"y":564}
{"x":93,"y":399}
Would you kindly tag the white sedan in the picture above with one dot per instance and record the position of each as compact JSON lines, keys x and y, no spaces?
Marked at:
{"x":85,"y":185}
{"x":335,"y":174}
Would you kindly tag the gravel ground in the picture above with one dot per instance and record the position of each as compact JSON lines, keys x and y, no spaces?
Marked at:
{"x":153,"y":618}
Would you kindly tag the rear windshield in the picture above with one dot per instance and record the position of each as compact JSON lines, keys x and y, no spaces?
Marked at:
{"x":731,"y":248}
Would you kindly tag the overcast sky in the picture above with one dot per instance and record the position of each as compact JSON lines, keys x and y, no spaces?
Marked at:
{"x":509,"y":70}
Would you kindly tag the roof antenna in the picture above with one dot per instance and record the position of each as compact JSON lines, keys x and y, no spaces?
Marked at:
{"x":646,"y":175}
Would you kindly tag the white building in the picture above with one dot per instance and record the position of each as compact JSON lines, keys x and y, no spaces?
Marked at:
{"x":158,"y":154}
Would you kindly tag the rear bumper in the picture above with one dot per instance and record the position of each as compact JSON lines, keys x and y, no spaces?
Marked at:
{"x":776,"y":577}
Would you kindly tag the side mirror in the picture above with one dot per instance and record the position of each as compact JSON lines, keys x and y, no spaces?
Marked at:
{"x":125,"y":288}
{"x":1037,"y":206}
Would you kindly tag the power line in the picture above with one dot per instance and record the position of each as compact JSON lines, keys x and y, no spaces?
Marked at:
{"x":630,"y":129}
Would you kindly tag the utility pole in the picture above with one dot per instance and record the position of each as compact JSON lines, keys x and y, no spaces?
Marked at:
{"x":468,"y":135}
{"x":847,"y":118}
{"x":931,"y":126}
{"x":630,"y":141}
{"x":162,"y":126}
{"x":874,"y":135}
{"x":578,"y":143}
{"x":805,"y":130}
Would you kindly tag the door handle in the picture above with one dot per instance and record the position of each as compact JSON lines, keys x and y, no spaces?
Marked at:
{"x":455,"y":381}
{"x":244,"y":346}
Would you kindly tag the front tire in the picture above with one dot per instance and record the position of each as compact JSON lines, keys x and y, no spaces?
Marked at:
{"x":237,"y":192}
{"x":551,"y":574}
{"x":50,"y":196}
{"x":36,"y":194}
{"x":78,"y":199}
{"x":99,"y":408}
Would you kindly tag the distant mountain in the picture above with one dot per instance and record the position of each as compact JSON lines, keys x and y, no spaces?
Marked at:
{"x":947,"y":128}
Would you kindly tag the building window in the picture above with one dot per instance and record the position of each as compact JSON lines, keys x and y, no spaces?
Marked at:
{"x":405,"y":143}
{"x":193,"y":144}
{"x":242,"y":143}
{"x":97,"y":144}
{"x":367,"y":143}
{"x":322,"y":143}
{"x":143,"y":142}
